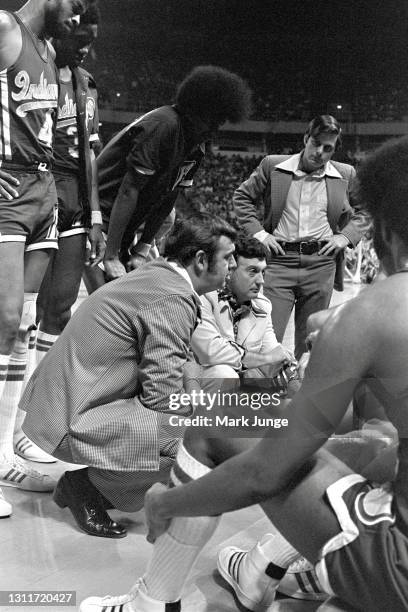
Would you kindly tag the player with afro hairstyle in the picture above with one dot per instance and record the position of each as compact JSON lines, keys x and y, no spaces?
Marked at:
{"x":215,"y":94}
{"x":144,"y":168}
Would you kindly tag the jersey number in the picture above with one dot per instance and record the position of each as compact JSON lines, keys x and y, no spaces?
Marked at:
{"x":45,"y":135}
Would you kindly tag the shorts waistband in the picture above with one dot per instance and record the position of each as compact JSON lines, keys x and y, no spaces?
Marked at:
{"x":40,"y":167}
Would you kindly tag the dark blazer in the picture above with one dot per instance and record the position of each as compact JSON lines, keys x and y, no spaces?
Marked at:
{"x":270,"y":185}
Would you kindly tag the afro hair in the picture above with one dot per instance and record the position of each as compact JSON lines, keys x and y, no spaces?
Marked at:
{"x":214,"y":93}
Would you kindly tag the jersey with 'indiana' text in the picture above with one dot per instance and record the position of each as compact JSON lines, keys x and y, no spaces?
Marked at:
{"x":28,"y":104}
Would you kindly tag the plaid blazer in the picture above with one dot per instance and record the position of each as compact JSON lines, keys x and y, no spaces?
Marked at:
{"x":270,"y":185}
{"x":105,"y":383}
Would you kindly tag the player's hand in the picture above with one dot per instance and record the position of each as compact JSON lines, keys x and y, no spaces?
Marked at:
{"x":276,"y":358}
{"x":113,"y":268}
{"x":334,"y":245}
{"x":273,"y":245}
{"x":98,"y":245}
{"x":156,"y":525}
{"x":280,"y":356}
{"x":7,"y":184}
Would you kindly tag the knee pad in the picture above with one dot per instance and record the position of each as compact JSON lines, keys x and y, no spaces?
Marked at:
{"x":28,"y":316}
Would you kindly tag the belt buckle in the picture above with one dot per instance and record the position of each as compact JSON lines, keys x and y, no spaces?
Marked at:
{"x":42,"y":167}
{"x":301,"y":245}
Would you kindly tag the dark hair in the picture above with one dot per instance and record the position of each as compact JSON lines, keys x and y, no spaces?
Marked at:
{"x":324,"y":124}
{"x":382,"y":186}
{"x":211,"y":92}
{"x":92,"y":15}
{"x":246,"y":246}
{"x":200,"y":231}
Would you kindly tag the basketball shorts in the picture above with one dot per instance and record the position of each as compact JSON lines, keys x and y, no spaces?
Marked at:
{"x":32,"y":217}
{"x":366,"y":563}
{"x":71,"y":214}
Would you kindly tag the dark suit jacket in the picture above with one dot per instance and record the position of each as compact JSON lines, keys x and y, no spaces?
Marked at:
{"x":271,"y":185}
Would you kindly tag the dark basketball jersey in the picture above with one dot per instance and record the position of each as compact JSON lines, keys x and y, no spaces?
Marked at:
{"x":154,"y":149}
{"x":28,"y":104}
{"x":66,"y":151}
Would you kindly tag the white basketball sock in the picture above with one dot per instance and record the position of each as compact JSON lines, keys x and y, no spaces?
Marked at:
{"x":43,"y":344}
{"x":176,"y":550}
{"x":30,"y":367}
{"x":10,"y":398}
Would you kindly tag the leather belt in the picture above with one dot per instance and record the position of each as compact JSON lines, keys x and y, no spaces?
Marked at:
{"x":304,"y":247}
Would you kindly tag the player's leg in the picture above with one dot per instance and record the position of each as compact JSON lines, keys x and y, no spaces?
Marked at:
{"x":58,"y":292}
{"x":11,"y":306}
{"x":370,"y":454}
{"x":61,"y":284}
{"x":94,"y":278}
{"x":12,"y":471}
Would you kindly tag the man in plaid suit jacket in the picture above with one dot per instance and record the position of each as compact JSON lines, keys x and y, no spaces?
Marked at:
{"x":100,"y":395}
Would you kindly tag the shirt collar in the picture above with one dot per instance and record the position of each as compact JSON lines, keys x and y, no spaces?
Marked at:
{"x":292,"y":165}
{"x":183,"y":272}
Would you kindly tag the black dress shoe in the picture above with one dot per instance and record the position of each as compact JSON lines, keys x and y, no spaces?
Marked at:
{"x":75,"y":490}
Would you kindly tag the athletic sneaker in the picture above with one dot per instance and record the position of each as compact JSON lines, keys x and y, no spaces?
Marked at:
{"x":30,"y":451}
{"x":136,"y":600}
{"x":300,"y":580}
{"x":16,"y":473}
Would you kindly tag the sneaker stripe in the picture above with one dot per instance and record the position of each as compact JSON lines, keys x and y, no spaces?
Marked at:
{"x":21,"y":478}
{"x":237,"y":564}
{"x":300,"y":582}
{"x":231,"y":563}
{"x":313,"y":581}
{"x":9,"y":474}
{"x":23,"y":446}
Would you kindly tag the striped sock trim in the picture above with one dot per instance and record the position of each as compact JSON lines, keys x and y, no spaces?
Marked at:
{"x":307,"y":582}
{"x":16,"y":372}
{"x":4,"y":364}
{"x":31,"y":341}
{"x":186,"y":468}
{"x":43,"y":345}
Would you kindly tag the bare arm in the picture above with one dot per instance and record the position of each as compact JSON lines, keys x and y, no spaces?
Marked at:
{"x":10,"y":47}
{"x":10,"y":40}
{"x":123,"y":209}
{"x":95,"y":234}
